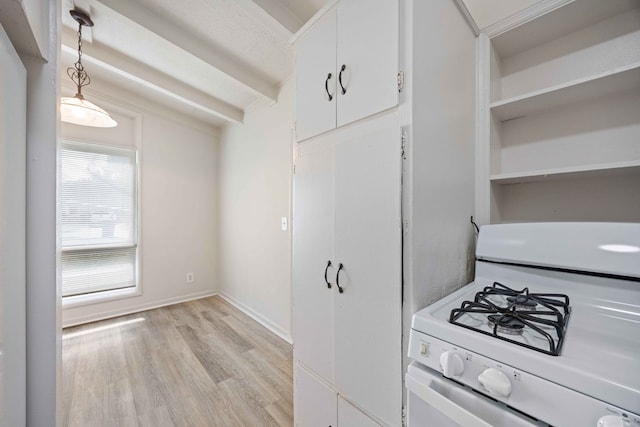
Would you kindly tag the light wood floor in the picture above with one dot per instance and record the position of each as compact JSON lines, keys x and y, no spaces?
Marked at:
{"x":200,"y":363}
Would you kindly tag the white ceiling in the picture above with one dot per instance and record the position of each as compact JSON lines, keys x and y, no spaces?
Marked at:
{"x":210,"y":59}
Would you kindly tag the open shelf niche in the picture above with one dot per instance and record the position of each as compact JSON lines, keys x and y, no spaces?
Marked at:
{"x":562,"y":107}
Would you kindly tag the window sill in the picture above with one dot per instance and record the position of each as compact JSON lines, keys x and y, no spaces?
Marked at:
{"x":100,"y":297}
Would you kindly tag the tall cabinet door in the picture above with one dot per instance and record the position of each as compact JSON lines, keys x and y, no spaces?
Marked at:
{"x":313,"y":225}
{"x":368,"y":245}
{"x":368,"y":49}
{"x":316,"y":79}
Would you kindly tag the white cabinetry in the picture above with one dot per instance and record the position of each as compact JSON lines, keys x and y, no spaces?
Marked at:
{"x":318,"y":405}
{"x":560,"y":116}
{"x":347,"y":211}
{"x":347,"y":195}
{"x":315,"y":402}
{"x":346,"y":66}
{"x":350,"y":416}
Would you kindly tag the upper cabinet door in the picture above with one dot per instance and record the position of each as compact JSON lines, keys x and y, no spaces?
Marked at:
{"x":368,"y":40}
{"x":316,"y":79}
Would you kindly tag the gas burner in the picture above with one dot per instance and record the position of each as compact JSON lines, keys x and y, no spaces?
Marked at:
{"x":507,"y":323}
{"x":523,"y":301}
{"x":532,"y":320}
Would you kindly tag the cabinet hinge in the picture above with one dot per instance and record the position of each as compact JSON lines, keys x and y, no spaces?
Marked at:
{"x":400,"y":81}
{"x":404,"y":416}
{"x":404,"y":145}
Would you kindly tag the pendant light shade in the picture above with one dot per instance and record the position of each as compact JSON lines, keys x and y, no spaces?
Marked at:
{"x":82,"y":112}
{"x":76,"y":109}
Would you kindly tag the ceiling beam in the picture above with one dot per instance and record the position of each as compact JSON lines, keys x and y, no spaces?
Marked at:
{"x":253,"y":82}
{"x":275,"y":14}
{"x":21,"y":28}
{"x":119,"y":100}
{"x":107,"y":58}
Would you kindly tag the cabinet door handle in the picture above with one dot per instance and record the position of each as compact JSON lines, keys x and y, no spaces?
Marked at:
{"x":340,"y":289}
{"x":326,"y":87}
{"x":344,"y":67}
{"x":325,"y":274}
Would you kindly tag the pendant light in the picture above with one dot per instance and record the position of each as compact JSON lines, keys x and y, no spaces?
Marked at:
{"x":76,"y":109}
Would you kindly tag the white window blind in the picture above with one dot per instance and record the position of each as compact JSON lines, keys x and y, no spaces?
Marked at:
{"x":98,"y":212}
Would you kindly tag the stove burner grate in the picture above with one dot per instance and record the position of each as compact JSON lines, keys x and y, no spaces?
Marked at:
{"x":511,"y":312}
{"x":506,"y":323}
{"x":523,"y":301}
{"x":554,"y":302}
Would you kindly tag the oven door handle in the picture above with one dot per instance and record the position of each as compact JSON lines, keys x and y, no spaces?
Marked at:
{"x":456,"y":413}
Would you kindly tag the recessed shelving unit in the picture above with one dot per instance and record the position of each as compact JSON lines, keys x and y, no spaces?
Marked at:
{"x":560,"y":111}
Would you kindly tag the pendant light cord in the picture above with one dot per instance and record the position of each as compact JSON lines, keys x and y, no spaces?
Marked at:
{"x":77,"y":72}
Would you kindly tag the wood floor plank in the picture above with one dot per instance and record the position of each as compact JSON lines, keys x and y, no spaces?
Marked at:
{"x":282,"y":412}
{"x":250,"y":411}
{"x":158,"y":416}
{"x":272,"y":347}
{"x":202,"y":363}
{"x":225,"y":333}
{"x":270,"y":376}
{"x":220,"y":306}
{"x":216,"y":368}
{"x":139,"y":348}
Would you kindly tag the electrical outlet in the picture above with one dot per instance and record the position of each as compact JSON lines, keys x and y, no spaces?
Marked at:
{"x":284,"y":223}
{"x":190,"y":278}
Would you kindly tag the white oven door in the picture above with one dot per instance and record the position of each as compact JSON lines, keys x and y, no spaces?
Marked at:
{"x":435,"y":401}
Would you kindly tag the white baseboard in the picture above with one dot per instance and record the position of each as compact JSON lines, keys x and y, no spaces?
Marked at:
{"x":258,"y":318}
{"x":93,"y":317}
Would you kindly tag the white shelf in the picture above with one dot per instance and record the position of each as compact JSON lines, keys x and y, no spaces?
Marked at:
{"x":618,"y":80}
{"x":562,"y":21}
{"x":607,"y":169}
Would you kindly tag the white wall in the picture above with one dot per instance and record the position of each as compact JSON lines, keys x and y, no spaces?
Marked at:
{"x":44,"y":363}
{"x":255,"y":192}
{"x":178,"y":191}
{"x":439,"y":250}
{"x":13,"y":108}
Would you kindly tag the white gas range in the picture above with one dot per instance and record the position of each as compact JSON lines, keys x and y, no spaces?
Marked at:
{"x":547,"y":334}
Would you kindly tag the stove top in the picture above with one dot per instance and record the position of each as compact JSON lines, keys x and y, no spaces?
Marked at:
{"x":536,"y":321}
{"x":558,"y":301}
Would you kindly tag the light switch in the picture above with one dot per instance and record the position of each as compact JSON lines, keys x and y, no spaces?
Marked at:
{"x":284,"y":223}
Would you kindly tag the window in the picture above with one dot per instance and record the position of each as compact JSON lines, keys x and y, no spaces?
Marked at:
{"x":99,"y":218}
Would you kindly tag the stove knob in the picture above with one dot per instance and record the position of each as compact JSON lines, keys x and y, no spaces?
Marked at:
{"x":613,"y":421}
{"x":452,"y":364}
{"x":495,"y":382}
